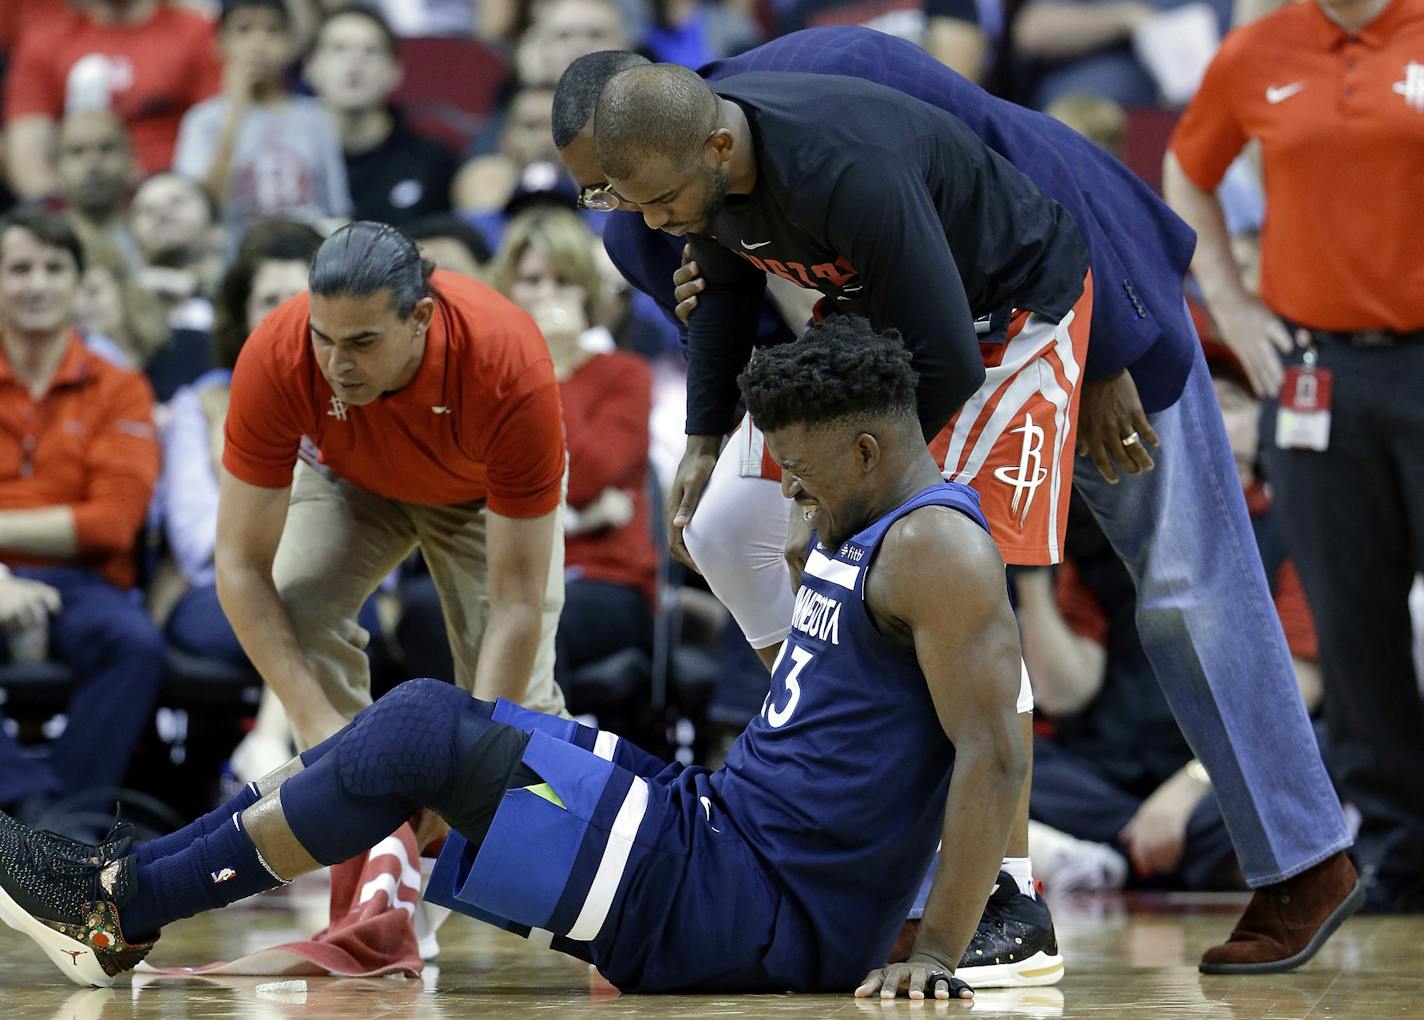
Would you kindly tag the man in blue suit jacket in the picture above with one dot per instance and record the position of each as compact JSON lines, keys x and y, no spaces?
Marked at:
{"x":1178,"y":520}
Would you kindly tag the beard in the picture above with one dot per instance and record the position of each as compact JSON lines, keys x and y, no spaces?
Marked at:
{"x":716,"y":199}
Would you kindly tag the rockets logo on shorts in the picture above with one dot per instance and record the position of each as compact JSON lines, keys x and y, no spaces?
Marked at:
{"x":1029,"y":473}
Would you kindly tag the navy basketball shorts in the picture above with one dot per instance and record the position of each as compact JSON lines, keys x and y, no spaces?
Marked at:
{"x":621,"y":860}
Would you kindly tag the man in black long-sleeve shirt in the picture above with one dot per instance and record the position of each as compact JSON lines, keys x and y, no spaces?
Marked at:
{"x":892,"y":209}
{"x":895,"y":210}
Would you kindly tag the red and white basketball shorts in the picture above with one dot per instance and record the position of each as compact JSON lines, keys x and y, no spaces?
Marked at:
{"x":1013,"y":440}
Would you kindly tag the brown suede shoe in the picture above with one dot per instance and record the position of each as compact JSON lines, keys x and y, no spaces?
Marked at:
{"x":1286,"y":923}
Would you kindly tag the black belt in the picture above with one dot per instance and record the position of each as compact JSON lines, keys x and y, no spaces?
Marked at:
{"x":1367,"y":337}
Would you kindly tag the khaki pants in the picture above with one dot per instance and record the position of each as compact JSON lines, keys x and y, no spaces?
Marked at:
{"x":340,"y":541}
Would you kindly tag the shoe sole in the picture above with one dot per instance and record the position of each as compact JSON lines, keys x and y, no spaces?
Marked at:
{"x":1336,"y":917}
{"x":74,"y":959}
{"x":1038,"y":969}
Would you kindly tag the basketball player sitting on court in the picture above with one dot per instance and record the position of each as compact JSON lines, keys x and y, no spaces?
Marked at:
{"x":891,"y":725}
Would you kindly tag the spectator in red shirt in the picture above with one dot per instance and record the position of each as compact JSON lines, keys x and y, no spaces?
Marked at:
{"x":546,"y":266}
{"x":18,"y":16}
{"x":428,"y":415}
{"x":146,"y":60}
{"x":78,"y":462}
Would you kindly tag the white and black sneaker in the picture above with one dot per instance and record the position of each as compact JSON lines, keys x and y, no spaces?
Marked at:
{"x":67,"y":902}
{"x":1015,"y":946}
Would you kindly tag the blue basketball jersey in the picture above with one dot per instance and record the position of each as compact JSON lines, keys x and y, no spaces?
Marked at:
{"x":792,"y":868}
{"x":840,"y":783}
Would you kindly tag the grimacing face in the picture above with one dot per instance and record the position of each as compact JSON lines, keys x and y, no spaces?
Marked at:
{"x":39,"y":284}
{"x":676,"y":200}
{"x":825,"y":471}
{"x":363,"y":347}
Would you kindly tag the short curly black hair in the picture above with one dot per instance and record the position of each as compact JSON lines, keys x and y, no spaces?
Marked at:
{"x":839,"y":369}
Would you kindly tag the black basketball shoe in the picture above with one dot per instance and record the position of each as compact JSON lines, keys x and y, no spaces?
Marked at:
{"x":1015,"y":946}
{"x":66,"y":901}
{"x":115,"y":846}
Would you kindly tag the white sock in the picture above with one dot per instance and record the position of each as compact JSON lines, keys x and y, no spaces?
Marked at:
{"x":1021,"y":868}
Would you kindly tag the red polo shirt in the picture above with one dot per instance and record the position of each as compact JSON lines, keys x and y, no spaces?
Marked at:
{"x":480,"y":420}
{"x":88,"y":443}
{"x":1340,"y":119}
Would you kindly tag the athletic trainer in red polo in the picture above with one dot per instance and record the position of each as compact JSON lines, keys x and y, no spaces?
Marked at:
{"x":423,"y":408}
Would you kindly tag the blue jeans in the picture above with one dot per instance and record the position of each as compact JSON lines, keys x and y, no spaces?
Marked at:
{"x":199,"y":627}
{"x":1072,"y":796}
{"x":1210,"y":629}
{"x":116,"y":652}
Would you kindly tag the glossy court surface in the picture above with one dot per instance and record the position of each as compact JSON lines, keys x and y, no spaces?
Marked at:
{"x":1129,"y":957}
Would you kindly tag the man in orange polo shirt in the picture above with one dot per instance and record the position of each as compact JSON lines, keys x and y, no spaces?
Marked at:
{"x":424,"y":411}
{"x":1334,"y":92}
{"x":78,"y":462}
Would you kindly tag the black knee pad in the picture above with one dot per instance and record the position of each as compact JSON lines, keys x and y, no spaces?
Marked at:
{"x":404,"y":745}
{"x":490,"y":764}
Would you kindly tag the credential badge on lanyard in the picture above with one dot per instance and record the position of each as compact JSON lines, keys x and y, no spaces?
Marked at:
{"x":1303,"y":420}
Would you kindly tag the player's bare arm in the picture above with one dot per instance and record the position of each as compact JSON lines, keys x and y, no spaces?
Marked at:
{"x":519,"y":552}
{"x":938,"y":584}
{"x":250,"y":521}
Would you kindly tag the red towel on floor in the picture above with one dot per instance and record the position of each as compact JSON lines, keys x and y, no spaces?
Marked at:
{"x":370,"y":934}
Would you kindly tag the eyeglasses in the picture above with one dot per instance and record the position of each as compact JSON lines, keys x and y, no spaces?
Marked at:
{"x":598,"y":197}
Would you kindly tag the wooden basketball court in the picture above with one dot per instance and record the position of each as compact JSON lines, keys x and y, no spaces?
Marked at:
{"x":1128,"y":957}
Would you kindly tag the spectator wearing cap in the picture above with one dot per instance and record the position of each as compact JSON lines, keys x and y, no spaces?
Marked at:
{"x":485,"y":183}
{"x":1334,"y":92}
{"x":540,"y":183}
{"x":78,"y":462}
{"x":259,"y":150}
{"x":147,"y":60}
{"x":396,"y":175}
